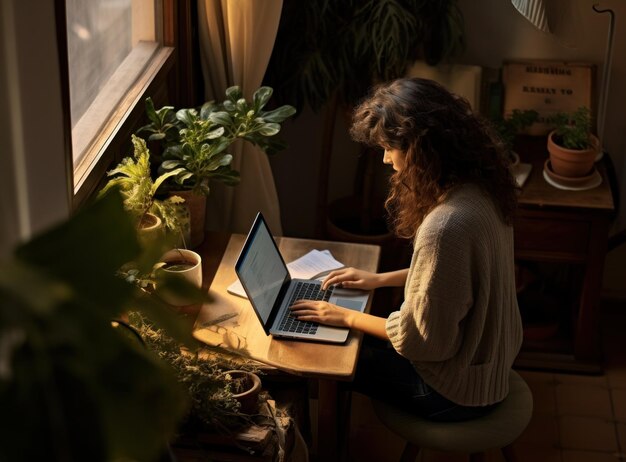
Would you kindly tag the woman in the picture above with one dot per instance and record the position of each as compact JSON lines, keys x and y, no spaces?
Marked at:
{"x":455,"y":337}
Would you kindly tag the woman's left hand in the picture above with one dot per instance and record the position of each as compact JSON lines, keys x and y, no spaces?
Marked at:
{"x":321,"y":312}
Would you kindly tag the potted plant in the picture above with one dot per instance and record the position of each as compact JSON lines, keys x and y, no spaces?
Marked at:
{"x":571,"y":145}
{"x":223,"y":388}
{"x":326,"y":50}
{"x":246,"y":386}
{"x":68,"y":380}
{"x":508,"y":128}
{"x":153,"y":216}
{"x":194,"y":143}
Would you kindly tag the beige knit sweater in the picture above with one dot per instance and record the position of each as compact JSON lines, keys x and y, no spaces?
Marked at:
{"x":460,"y":324}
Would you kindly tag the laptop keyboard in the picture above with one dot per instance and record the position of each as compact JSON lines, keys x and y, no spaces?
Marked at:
{"x":303,"y":291}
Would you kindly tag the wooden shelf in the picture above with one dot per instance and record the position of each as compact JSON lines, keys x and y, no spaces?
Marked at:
{"x":571,"y":228}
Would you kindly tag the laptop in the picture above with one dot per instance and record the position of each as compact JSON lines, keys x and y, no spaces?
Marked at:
{"x":270,"y":289}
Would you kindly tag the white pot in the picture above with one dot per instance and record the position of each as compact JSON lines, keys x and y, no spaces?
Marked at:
{"x":185,"y":264}
{"x":151,"y":231}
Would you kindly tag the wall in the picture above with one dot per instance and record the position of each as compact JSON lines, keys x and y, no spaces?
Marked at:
{"x":34,"y":185}
{"x":296,"y":169}
{"x":495,"y":32}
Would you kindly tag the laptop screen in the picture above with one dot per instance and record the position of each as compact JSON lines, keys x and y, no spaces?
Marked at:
{"x":261,"y":269}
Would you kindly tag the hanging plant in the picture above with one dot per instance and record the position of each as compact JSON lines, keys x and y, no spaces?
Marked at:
{"x":325,"y":47}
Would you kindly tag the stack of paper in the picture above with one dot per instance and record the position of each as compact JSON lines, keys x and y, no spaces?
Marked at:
{"x":313,"y":265}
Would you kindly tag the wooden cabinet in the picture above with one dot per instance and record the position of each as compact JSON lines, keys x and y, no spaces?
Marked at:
{"x":570,"y":228}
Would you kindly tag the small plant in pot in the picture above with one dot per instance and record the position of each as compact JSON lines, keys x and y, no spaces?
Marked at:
{"x":169,"y":223}
{"x":216,"y":380}
{"x":508,"y":128}
{"x":194,"y":143}
{"x":571,"y":145}
{"x":154,"y":217}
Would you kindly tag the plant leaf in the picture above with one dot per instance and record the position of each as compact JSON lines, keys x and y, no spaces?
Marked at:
{"x":182,"y":177}
{"x":187,"y":116}
{"x":233,"y":93}
{"x":270,"y":129}
{"x":221,"y":118}
{"x":279,"y":114}
{"x":207,"y":108}
{"x":159,"y":181}
{"x":261,"y":97}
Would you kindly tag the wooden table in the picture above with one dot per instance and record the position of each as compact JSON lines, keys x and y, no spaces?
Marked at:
{"x":243,"y":333}
{"x":569,"y":227}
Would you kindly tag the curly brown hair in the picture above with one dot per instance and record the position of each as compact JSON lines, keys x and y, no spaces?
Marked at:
{"x":446,"y":144}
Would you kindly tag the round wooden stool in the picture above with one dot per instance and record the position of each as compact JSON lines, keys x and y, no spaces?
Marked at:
{"x":496,"y":430}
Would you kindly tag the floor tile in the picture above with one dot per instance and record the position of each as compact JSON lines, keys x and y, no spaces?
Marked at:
{"x":583,"y":400}
{"x":544,"y":397}
{"x":616,"y":377}
{"x":587,"y":433}
{"x":529,"y":453}
{"x":542,"y":431}
{"x":618,"y":396}
{"x":588,"y":456}
{"x":594,"y":380}
{"x":536,"y":376}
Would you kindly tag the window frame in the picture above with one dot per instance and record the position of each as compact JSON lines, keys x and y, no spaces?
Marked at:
{"x":159,"y":80}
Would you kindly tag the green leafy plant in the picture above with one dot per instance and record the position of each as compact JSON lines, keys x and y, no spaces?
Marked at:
{"x":203,"y":374}
{"x":68,"y":380}
{"x":326,"y":48}
{"x":508,"y":128}
{"x":195,"y":142}
{"x":134,"y":179}
{"x":573,"y":129}
{"x":146,"y":281}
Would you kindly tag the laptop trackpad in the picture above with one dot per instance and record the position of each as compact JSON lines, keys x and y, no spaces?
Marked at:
{"x":346,"y":303}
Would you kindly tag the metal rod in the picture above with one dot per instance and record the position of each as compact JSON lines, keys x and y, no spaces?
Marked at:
{"x":606,"y":70}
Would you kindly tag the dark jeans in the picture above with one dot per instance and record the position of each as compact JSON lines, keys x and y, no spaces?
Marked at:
{"x":384,"y":375}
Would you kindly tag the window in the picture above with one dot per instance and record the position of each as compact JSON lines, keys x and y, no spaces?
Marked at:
{"x":112,"y":53}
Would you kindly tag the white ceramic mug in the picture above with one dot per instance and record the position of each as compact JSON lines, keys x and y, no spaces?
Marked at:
{"x":191,"y":272}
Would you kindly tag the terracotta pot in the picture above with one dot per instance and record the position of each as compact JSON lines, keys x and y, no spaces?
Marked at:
{"x":196,"y":204}
{"x":572,"y":163}
{"x":573,"y":182}
{"x":251,"y":387}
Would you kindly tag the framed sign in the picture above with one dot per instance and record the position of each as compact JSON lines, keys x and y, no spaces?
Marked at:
{"x":547,"y":87}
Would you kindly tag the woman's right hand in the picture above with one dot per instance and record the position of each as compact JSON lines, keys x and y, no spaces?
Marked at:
{"x":352,"y":278}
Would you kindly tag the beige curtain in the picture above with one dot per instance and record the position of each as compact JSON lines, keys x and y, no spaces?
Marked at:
{"x":236,"y":41}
